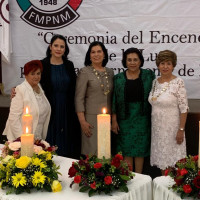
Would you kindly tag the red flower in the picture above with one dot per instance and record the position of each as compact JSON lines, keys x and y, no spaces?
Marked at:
{"x":16,"y":154}
{"x":166,"y":172}
{"x":187,"y":189}
{"x":108,"y":180}
{"x":196,"y":158}
{"x":52,"y":149}
{"x":199,"y":173}
{"x":119,"y":156}
{"x":196,"y":182}
{"x":115,"y":162}
{"x":93,"y":185}
{"x":72,"y":171}
{"x":97,"y":165}
{"x":178,"y":181}
{"x":77,"y":179}
{"x":178,"y":172}
{"x":183,"y":172}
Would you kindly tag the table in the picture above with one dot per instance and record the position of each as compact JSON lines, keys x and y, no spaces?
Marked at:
{"x":161,"y":191}
{"x":140,"y":188}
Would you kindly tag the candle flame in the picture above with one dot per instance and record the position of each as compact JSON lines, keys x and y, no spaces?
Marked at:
{"x":104,"y":110}
{"x":27,"y":111}
{"x":26,"y":130}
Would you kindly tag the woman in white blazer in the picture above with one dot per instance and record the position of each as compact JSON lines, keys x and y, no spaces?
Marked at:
{"x":30,"y":94}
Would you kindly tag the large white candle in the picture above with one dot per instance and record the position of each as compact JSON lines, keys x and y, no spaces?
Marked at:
{"x":103,"y":135}
{"x":27,"y":139}
{"x":27,"y":143}
{"x":199,"y":147}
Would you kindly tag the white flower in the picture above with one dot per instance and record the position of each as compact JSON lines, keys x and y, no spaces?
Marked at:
{"x":14,"y":146}
{"x":46,"y":144}
{"x":37,"y":149}
{"x":7,"y":158}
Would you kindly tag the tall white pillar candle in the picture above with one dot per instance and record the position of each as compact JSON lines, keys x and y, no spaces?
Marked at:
{"x":103,"y":135}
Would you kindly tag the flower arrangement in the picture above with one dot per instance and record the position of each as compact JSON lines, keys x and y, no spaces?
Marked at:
{"x":186,"y":175}
{"x":21,"y":174}
{"x":13,"y":148}
{"x":101,"y":175}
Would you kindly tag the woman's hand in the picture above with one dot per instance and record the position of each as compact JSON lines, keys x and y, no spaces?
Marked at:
{"x":86,"y":128}
{"x":115,"y":127}
{"x":180,"y":137}
{"x":12,"y":93}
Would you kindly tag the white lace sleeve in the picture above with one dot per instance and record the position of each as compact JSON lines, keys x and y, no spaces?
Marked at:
{"x":182,"y":97}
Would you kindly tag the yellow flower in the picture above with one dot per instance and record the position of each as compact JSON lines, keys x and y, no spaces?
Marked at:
{"x":56,"y":186}
{"x":23,"y":162}
{"x":19,"y":179}
{"x":42,"y":152}
{"x":38,"y":162}
{"x":38,"y":177}
{"x":1,"y":183}
{"x":2,"y":167}
{"x":8,"y":175}
{"x":7,"y":158}
{"x":48,"y":156}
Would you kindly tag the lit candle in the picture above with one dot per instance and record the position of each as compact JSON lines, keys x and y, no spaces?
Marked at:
{"x":103,"y":135}
{"x":27,"y":142}
{"x":27,"y":139}
{"x":27,"y":121}
{"x":199,"y":147}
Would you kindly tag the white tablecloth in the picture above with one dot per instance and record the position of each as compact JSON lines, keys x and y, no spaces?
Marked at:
{"x":140,"y":188}
{"x":161,"y":191}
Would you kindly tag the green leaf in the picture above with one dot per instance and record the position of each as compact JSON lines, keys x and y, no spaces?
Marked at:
{"x":47,"y":187}
{"x":84,"y":188}
{"x":91,"y":192}
{"x":124,"y":177}
{"x":124,"y":188}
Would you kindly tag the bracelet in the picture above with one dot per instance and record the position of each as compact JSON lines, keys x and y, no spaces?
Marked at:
{"x":181,"y":129}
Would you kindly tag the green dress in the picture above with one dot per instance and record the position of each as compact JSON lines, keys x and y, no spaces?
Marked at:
{"x":134,"y":118}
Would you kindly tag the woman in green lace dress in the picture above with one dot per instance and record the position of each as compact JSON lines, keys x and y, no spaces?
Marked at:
{"x":131,"y":111}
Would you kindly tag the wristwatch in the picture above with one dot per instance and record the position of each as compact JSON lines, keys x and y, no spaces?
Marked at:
{"x":181,"y":129}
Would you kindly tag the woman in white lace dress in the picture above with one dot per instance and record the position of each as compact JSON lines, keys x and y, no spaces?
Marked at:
{"x":169,"y":112}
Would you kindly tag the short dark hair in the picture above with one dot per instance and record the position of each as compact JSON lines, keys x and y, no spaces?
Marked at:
{"x":33,"y":65}
{"x":61,"y":37}
{"x":87,"y":56}
{"x":132,"y":50}
{"x":166,"y":55}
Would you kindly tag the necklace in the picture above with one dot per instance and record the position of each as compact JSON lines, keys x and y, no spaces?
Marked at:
{"x":105,"y":87}
{"x":154,"y":98}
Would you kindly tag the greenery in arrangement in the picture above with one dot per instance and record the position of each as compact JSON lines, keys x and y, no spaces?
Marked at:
{"x":186,"y":175}
{"x":22,"y":174}
{"x":101,"y":175}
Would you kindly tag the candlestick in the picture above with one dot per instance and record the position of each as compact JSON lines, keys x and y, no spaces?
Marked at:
{"x":199,"y":147}
{"x":103,"y":135}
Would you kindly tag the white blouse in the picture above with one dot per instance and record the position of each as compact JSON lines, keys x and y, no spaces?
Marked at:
{"x":43,"y":112}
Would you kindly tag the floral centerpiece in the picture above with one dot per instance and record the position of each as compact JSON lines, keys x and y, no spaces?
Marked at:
{"x":186,"y":176}
{"x":22,"y":174}
{"x":101,"y":175}
{"x":14,"y":148}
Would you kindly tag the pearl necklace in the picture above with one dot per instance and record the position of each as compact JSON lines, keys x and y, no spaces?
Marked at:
{"x":105,"y":88}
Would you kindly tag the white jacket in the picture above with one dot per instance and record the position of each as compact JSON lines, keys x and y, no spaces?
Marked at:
{"x":24,"y":97}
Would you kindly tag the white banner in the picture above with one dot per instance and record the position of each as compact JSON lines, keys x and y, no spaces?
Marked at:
{"x":5,"y":48}
{"x":150,"y":25}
